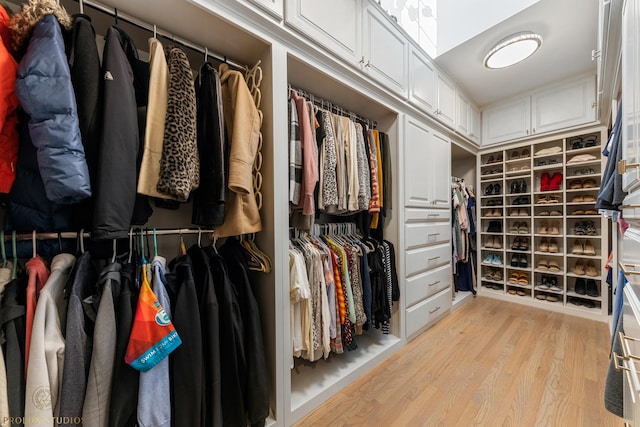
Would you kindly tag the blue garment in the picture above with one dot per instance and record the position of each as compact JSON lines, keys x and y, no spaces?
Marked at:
{"x":45,"y":92}
{"x":154,"y":394}
{"x":618,"y":302}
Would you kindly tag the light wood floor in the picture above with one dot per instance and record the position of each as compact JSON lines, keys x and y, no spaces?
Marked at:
{"x":489,"y":363}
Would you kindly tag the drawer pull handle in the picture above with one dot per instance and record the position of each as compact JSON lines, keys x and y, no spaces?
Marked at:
{"x":433,"y":234}
{"x":434,"y":283}
{"x":434,"y":310}
{"x":434,"y":214}
{"x":626,"y":272}
{"x":623,"y":166}
{"x":434,"y":258}
{"x":625,"y":354}
{"x":619,"y":366}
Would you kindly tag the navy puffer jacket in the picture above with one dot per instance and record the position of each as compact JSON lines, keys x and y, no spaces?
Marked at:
{"x":45,"y":92}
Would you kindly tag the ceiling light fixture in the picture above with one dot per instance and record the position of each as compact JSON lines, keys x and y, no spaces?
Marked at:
{"x":512,"y":50}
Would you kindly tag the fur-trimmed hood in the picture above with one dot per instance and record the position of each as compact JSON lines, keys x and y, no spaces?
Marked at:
{"x":23,"y":23}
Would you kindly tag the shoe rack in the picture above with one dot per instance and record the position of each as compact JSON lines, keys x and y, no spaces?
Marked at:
{"x":541,"y":239}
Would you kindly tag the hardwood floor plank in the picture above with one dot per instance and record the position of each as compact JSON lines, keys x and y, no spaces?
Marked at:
{"x":489,"y":363}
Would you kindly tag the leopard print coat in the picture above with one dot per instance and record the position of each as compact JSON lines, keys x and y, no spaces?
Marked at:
{"x":180,"y":165}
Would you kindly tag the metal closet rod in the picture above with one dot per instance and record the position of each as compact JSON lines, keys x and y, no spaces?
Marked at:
{"x":73,"y":234}
{"x":331,"y":106}
{"x":155,"y":30}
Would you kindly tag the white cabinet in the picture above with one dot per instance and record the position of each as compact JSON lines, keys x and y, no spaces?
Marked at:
{"x":334,"y":24}
{"x":631,"y":93}
{"x":468,"y":122}
{"x":273,"y":7}
{"x":507,"y":121}
{"x":422,"y":81}
{"x":385,"y":50}
{"x":554,"y":108}
{"x":446,"y":91}
{"x":562,"y":107}
{"x":427,"y":158}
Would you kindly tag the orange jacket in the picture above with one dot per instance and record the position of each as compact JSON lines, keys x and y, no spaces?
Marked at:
{"x":8,"y":108}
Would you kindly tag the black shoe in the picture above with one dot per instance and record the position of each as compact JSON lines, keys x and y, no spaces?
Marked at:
{"x":523,"y":186}
{"x":524,"y":244}
{"x":581,"y":287}
{"x":515,"y":188}
{"x":592,"y":288}
{"x":496,"y":189}
{"x":514,"y":260}
{"x":523,"y":262}
{"x":488,"y":190}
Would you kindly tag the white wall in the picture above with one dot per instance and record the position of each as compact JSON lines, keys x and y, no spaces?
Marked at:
{"x":460,"y":20}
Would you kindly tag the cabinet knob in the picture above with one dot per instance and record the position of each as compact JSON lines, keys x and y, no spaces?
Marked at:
{"x":616,"y":362}
{"x":361,"y":60}
{"x":434,"y":283}
{"x":434,"y":258}
{"x":527,"y":131}
{"x":368,"y":64}
{"x":534,"y":130}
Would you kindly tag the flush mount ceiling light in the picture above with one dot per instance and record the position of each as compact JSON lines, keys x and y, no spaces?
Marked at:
{"x":512,"y":50}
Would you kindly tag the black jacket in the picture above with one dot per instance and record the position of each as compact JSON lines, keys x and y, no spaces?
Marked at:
{"x":13,"y":328}
{"x":124,"y":392}
{"x":84,"y":64}
{"x":78,"y":337}
{"x":232,"y":350}
{"x":210,"y":323}
{"x":186,"y":364}
{"x":208,"y":199}
{"x":256,"y":386}
{"x":118,"y":160}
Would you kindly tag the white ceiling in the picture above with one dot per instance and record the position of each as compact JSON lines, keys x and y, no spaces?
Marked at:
{"x":570,"y":31}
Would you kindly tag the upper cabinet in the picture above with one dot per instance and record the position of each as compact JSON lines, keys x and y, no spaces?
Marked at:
{"x":446,"y":90}
{"x":422,"y":81}
{"x":468,"y":121}
{"x":334,"y":24}
{"x":630,"y":94}
{"x":385,"y":50}
{"x":559,"y":107}
{"x":511,"y":120}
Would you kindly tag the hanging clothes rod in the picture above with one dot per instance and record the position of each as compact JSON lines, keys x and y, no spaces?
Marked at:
{"x":328,"y":105}
{"x":157,"y":31}
{"x":74,"y":235}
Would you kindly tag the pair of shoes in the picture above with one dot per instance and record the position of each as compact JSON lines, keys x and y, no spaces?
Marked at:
{"x":493,"y":274}
{"x":582,"y":228}
{"x":548,"y":282}
{"x":549,"y":265}
{"x":519,"y":228}
{"x":550,"y":213}
{"x":518,"y":212}
{"x":495,"y":227}
{"x":553,"y":229}
{"x":494,"y":202}
{"x":582,"y":302}
{"x":586,"y":171}
{"x":586,"y":287}
{"x":583,"y":248}
{"x":585,"y":212}
{"x":493,"y":242}
{"x":549,"y":151}
{"x":494,"y":159}
{"x":550,"y":199}
{"x":577,"y":184}
{"x":550,"y":182}
{"x":583,"y":198}
{"x":523,"y":200}
{"x":493,"y":259}
{"x":491,"y":171}
{"x":544,"y":297}
{"x":519,"y":261}
{"x":520,"y":244}
{"x":493,"y":213}
{"x":515,"y":154}
{"x":492,"y":189}
{"x":518,"y":278}
{"x":589,"y":268}
{"x":548,"y":245}
{"x":518,"y":187}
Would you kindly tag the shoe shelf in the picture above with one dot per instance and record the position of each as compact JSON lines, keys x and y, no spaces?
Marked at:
{"x":531,"y":188}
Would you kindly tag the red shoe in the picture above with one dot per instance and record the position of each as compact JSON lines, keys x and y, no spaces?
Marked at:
{"x":555,"y":181}
{"x":544,"y":182}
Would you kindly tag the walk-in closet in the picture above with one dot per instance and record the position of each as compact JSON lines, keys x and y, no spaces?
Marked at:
{"x":300,"y":199}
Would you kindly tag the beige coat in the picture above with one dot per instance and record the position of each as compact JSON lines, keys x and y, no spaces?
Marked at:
{"x":46,"y":354}
{"x":154,"y":131}
{"x":242,"y":125}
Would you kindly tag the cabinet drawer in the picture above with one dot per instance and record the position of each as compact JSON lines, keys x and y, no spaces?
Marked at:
{"x":426,"y":284}
{"x":423,"y":259}
{"x":632,"y":210}
{"x":425,"y":234}
{"x":427,"y":312}
{"x":431,"y":215}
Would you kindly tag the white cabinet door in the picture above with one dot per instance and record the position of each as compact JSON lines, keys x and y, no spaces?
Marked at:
{"x":334,"y":24}
{"x":564,"y":106}
{"x":273,"y":7}
{"x":385,"y":50}
{"x":475,"y":124}
{"x":630,"y":92}
{"x":422,"y":81}
{"x":440,"y":155}
{"x":446,"y":99}
{"x":506,"y":121}
{"x":462,"y":114}
{"x":417,"y":164}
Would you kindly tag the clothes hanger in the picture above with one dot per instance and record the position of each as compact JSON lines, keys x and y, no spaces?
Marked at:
{"x":130,"y":245}
{"x":14,"y":248}
{"x":4,"y":252}
{"x":199,"y":237}
{"x":81,"y":2}
{"x":183,"y":247}
{"x":155,"y":243}
{"x":34,"y":244}
{"x":115,"y":249}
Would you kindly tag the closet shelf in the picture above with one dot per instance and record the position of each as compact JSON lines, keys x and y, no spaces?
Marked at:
{"x":583,"y":236}
{"x":582,"y":164}
{"x":550,"y":291}
{"x":595,"y":150}
{"x":582,"y":216}
{"x":547,"y":167}
{"x":592,"y":175}
{"x":584,"y":276}
{"x":579,"y":190}
{"x":570,"y":255}
{"x":556,"y":254}
{"x":576,"y":295}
